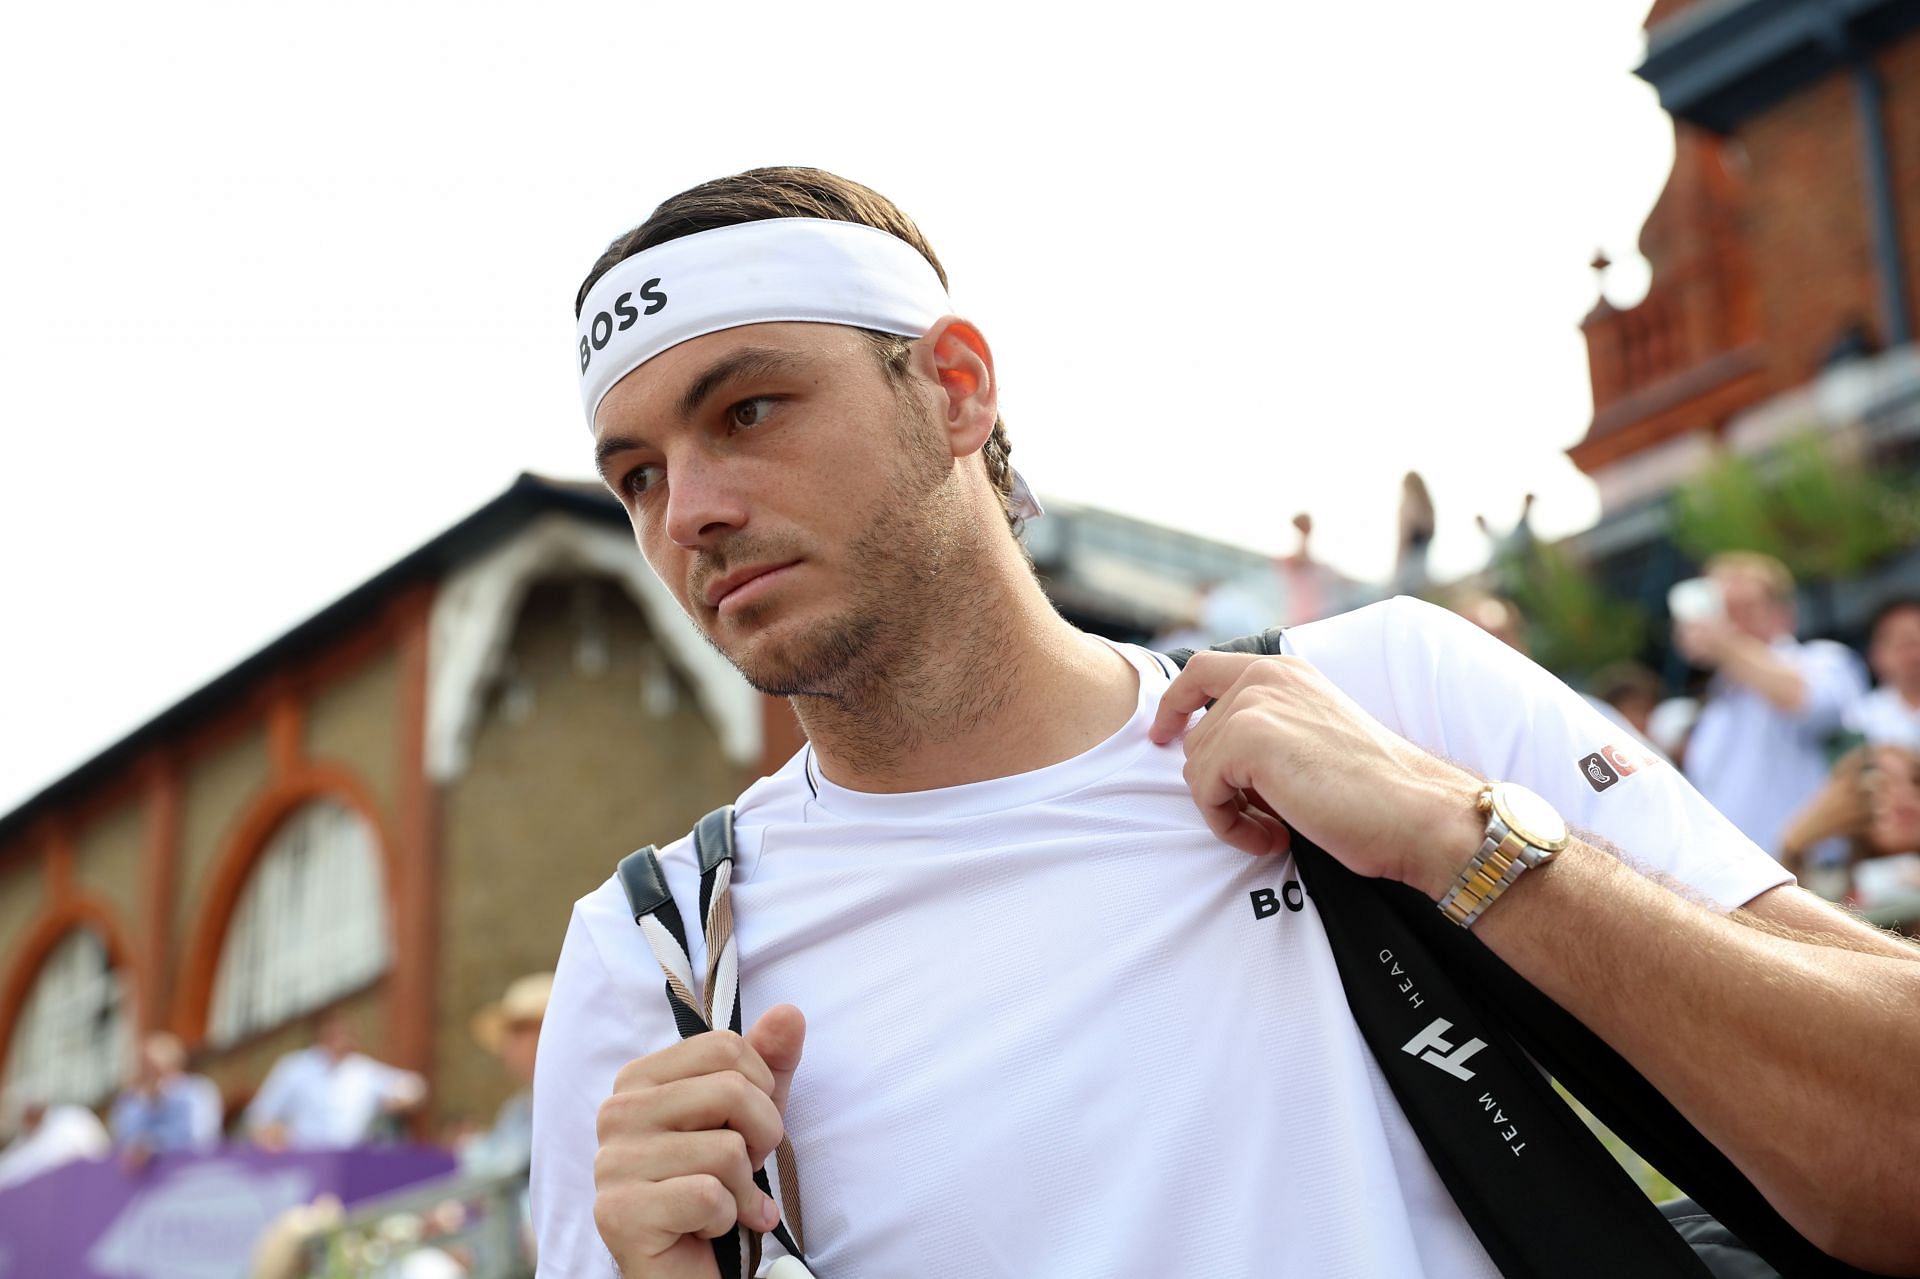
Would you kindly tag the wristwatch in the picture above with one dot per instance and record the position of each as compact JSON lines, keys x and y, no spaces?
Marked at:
{"x":1523,"y":831}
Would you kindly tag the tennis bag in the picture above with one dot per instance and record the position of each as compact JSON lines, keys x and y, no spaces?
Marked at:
{"x":1541,"y":1193}
{"x":1457,"y":1034}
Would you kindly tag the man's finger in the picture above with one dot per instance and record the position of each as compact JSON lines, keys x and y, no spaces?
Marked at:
{"x":706,"y":1054}
{"x":777,"y":1038}
{"x":725,"y":1100}
{"x":1208,"y":676}
{"x":717,"y":1152}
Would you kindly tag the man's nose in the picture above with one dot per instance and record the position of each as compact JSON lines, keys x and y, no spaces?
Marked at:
{"x":702,"y":503}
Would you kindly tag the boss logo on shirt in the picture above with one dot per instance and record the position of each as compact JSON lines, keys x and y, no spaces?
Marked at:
{"x":1266,"y":902}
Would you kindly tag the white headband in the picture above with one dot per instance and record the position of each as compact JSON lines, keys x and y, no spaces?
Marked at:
{"x":813,"y":270}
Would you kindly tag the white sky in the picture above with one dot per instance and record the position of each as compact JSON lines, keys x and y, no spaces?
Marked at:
{"x":288,"y":290}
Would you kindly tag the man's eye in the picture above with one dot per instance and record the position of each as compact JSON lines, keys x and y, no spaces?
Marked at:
{"x":750,"y":413}
{"x":642,"y":480}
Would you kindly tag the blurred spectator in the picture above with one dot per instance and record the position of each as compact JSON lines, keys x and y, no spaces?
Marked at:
{"x":1758,"y":751}
{"x":50,"y":1136}
{"x":510,"y":1029}
{"x":1671,"y":724}
{"x":164,"y":1109}
{"x":328,"y":1096}
{"x":1302,"y":577}
{"x":1517,"y":542}
{"x":1872,"y":799}
{"x":1629,"y":692}
{"x":1416,"y":536}
{"x":1840,"y":809}
{"x":1890,"y":714}
{"x":1498,"y":617}
{"x":1887,"y":868}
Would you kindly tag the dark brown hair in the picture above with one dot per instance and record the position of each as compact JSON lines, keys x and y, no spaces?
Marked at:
{"x":788,"y":191}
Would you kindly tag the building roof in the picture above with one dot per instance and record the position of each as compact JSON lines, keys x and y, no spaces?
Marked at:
{"x":1717,"y":63}
{"x":528,"y":496}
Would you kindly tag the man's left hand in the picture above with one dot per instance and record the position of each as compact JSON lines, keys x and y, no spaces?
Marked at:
{"x":1283,"y":747}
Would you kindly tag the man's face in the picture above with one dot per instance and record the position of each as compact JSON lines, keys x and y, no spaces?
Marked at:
{"x":789,"y":495}
{"x":1751,"y":608}
{"x":519,"y":1045}
{"x":334,"y":1036}
{"x":1894,"y":652}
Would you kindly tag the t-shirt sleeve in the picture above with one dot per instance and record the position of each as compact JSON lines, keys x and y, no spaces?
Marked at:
{"x":1834,"y":683}
{"x":1451,"y":688}
{"x":592,"y":1028}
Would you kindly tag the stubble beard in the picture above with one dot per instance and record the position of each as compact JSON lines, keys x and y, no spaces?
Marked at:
{"x":900,"y":594}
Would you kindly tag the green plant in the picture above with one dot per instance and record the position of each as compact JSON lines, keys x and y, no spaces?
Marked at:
{"x":1823,"y":512}
{"x":1574,"y":627}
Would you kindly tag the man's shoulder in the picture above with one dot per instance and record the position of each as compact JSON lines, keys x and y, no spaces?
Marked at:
{"x":1381,"y":631}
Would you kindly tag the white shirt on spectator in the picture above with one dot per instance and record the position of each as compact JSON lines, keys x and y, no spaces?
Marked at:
{"x":327,"y":1104}
{"x":1759,"y":764}
{"x":1056,"y":1028}
{"x":65,"y":1133}
{"x":1884,"y":718}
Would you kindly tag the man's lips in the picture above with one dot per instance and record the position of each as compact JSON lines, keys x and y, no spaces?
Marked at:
{"x":721,"y":588}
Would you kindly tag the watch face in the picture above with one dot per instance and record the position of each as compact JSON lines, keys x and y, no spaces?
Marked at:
{"x":1533,"y":819}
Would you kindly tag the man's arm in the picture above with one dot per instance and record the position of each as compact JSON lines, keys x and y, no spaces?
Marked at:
{"x":269,"y":1106}
{"x":1794,"y":913}
{"x":1745,"y":660}
{"x":1794,"y":1058}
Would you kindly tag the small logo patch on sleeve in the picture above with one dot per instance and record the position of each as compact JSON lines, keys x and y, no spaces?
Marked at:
{"x":1598,"y":772}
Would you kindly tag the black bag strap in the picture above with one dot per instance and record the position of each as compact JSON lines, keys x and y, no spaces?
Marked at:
{"x":1424,"y":993}
{"x":648,"y":896}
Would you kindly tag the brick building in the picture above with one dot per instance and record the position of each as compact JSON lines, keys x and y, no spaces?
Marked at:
{"x":1785,"y":252}
{"x":391,"y":809}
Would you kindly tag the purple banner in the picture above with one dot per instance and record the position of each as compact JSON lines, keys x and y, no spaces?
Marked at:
{"x":183,"y":1216}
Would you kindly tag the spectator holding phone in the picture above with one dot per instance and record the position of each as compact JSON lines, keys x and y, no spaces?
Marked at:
{"x":1890,"y":714}
{"x":1873,"y":800}
{"x":1758,"y":752}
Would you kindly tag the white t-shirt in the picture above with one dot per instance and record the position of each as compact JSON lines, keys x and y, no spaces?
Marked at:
{"x":328,"y":1104}
{"x":1884,"y":719}
{"x":1051,"y":1032}
{"x":1759,"y":764}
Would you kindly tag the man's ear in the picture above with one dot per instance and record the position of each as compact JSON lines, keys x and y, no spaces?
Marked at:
{"x":954,"y":356}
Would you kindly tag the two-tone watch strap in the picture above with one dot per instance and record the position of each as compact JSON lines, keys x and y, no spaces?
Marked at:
{"x":1480,"y":882}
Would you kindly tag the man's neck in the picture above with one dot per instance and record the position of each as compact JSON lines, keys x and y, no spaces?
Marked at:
{"x":1005,"y":687}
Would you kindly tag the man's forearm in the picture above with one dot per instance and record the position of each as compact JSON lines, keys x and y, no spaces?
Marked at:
{"x":1753,"y":663}
{"x":1795,"y":1059}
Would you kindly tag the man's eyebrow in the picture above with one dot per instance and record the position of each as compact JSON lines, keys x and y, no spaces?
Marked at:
{"x":750,"y":362}
{"x":753,"y":361}
{"x":607,"y":448}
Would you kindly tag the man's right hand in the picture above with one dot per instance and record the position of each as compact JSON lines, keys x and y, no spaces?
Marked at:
{"x":679,"y":1141}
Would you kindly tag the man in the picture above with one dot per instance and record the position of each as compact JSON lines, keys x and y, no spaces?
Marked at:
{"x":1890,"y":714}
{"x":48,"y":1136}
{"x":1759,"y":749}
{"x":1012,"y":900}
{"x":164,"y":1110}
{"x":509,"y":1029}
{"x":328,"y":1097}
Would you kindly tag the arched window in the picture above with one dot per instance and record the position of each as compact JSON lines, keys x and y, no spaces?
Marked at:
{"x":74,"y":1039}
{"x":310,"y":925}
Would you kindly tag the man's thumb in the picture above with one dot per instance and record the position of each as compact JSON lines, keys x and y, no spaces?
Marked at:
{"x":778,"y":1037}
